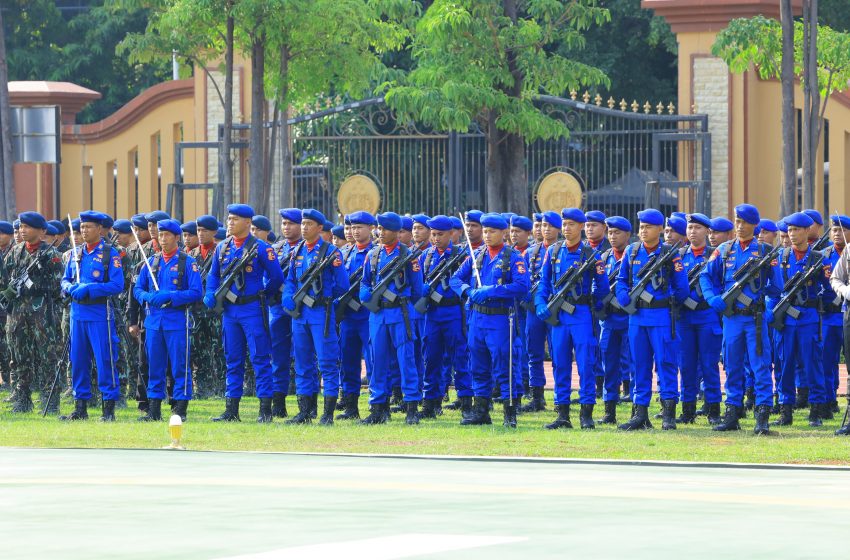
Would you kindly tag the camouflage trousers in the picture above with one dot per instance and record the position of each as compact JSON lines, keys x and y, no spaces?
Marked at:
{"x":4,"y":351}
{"x":32,"y":346}
{"x":208,"y":367}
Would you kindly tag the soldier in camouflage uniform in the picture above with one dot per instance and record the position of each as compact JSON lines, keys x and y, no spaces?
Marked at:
{"x":208,"y":367}
{"x":128,"y":362}
{"x":6,"y":234}
{"x":136,"y":314}
{"x":65,"y":305}
{"x":29,"y":280}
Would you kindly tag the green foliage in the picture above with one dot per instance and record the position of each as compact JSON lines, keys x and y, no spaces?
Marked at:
{"x":474,"y":58}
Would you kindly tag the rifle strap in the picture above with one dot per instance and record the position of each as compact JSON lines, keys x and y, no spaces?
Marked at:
{"x":506,"y":276}
{"x":181,"y":267}
{"x":375,"y":254}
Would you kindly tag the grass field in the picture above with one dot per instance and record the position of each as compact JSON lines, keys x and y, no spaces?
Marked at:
{"x":798,"y":444}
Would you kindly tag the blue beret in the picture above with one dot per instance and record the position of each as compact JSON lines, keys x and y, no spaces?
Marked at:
{"x":338,"y":231}
{"x":701,"y":219}
{"x":441,"y":223}
{"x":328,"y":226}
{"x":538,"y":216}
{"x":678,"y":224}
{"x":51,"y":230}
{"x":407,"y":223}
{"x":522,"y":223}
{"x":139,"y":221}
{"x":722,"y":224}
{"x":421,"y":219}
{"x":814,"y":215}
{"x":7,"y":228}
{"x":241,"y":210}
{"x":748,"y":213}
{"x":362,"y":217}
{"x":843,"y":221}
{"x":92,"y":217}
{"x":272,"y":237}
{"x":207,"y":222}
{"x":553,"y":219}
{"x":75,"y":225}
{"x":679,"y":215}
{"x":16,"y":224}
{"x":494,"y":220}
{"x":313,"y":214}
{"x":474,"y":216}
{"x":169,"y":225}
{"x":346,"y":220}
{"x":508,"y":216}
{"x":221,"y":234}
{"x":782,"y":226}
{"x":60,"y":227}
{"x":799,"y":219}
{"x":190,"y":227}
{"x":390,"y":221}
{"x":107,"y":221}
{"x":651,"y":216}
{"x":595,"y":216}
{"x":123,"y":226}
{"x":757,"y":231}
{"x":155,"y":216}
{"x":290,"y":214}
{"x":573,"y":214}
{"x":262,"y":223}
{"x":618,"y":222}
{"x":456,"y":223}
{"x":767,"y":225}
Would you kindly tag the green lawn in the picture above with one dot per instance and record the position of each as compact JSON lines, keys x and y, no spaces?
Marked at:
{"x":797,"y":444}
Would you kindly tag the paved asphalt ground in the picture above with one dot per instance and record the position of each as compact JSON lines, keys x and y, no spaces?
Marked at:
{"x":170,"y":504}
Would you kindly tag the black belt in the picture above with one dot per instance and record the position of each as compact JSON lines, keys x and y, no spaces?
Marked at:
{"x":484,"y":310}
{"x":831,"y":308}
{"x":810,"y":304}
{"x":750,"y":311}
{"x":95,"y":301}
{"x":243,"y":300}
{"x":320,"y":301}
{"x":654,"y":304}
{"x":385,"y":304}
{"x":447,"y":302}
{"x":580,"y":300}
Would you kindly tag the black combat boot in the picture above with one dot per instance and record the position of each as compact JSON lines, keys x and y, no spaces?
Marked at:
{"x":802,"y":400}
{"x":412,"y":416}
{"x":454,"y":405}
{"x":465,"y":406}
{"x":750,"y":398}
{"x":509,"y":418}
{"x":429,"y":408}
{"x":742,"y":413}
{"x":713,"y":413}
{"x":730,"y":421}
{"x":537,"y":402}
{"x":279,"y":405}
{"x":23,"y":401}
{"x":844,"y":430}
{"x":627,"y":391}
{"x":231,"y":411}
{"x":638,"y":421}
{"x":775,"y":409}
{"x":826,"y":411}
{"x":154,"y":411}
{"x":814,"y":415}
{"x":327,"y":418}
{"x":786,"y":415}
{"x":397,"y":400}
{"x":352,"y":410}
{"x":265,"y":415}
{"x":610,"y":416}
{"x":80,"y":412}
{"x":108,"y":411}
{"x":180,"y":409}
{"x":305,"y":407}
{"x":600,"y":386}
{"x":563,"y":419}
{"x":668,"y":414}
{"x":689,"y":413}
{"x":480,"y":415}
{"x":585,"y":417}
{"x":762,"y":420}
{"x":834,"y":408}
{"x":378,"y":415}
{"x":313,"y":400}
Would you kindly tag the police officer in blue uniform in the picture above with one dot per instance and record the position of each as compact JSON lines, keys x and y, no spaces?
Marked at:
{"x":650,"y":327}
{"x":574,"y":331}
{"x":596,"y":234}
{"x":354,"y":327}
{"x":833,"y":332}
{"x":501,"y":280}
{"x":93,"y":317}
{"x":745,"y":334}
{"x":314,"y":334}
{"x":521,"y":228}
{"x":168,"y":320}
{"x":243,"y":320}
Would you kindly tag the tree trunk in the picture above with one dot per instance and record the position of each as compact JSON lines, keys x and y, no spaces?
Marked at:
{"x":811,"y":101}
{"x":258,"y":102}
{"x":507,"y":185}
{"x":286,"y":198}
{"x":267,"y":179}
{"x":788,"y":198}
{"x":7,"y":185}
{"x":224,"y":156}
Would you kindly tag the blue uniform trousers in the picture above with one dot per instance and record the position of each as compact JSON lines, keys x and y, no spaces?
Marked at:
{"x":390,"y":341}
{"x":168,"y":347}
{"x":699,"y":350}
{"x":803,"y":343}
{"x":280,"y":325}
{"x":442,"y":339}
{"x":653,"y":346}
{"x":614,"y":349}
{"x":536,"y":335}
{"x":522,"y":340}
{"x":739,"y":336}
{"x":354,"y":342}
{"x":244,"y":328}
{"x":315,"y":354}
{"x":94,"y":339}
{"x":418,"y":324}
{"x":567,"y":338}
{"x":489,"y":356}
{"x":833,"y":340}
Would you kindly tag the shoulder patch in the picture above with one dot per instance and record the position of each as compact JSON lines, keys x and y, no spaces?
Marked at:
{"x":337,"y":262}
{"x":116,"y":262}
{"x":520,"y":267}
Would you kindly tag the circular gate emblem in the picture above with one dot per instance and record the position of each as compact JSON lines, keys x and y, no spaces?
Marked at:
{"x":358,"y":192}
{"x":559,"y":190}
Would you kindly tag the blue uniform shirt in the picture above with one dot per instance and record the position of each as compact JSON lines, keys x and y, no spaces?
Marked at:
{"x":334,"y":280}
{"x":717,"y":276}
{"x":614,"y":319}
{"x":698,"y":316}
{"x":672,"y":282}
{"x":410,"y":286}
{"x":594,"y":282}
{"x":808,"y":295}
{"x":354,"y":260}
{"x":502,"y":293}
{"x":261,"y":274}
{"x":95,"y":265}
{"x":173,"y":316}
{"x":443,"y":288}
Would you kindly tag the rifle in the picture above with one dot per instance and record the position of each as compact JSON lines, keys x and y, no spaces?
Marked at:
{"x":230,"y":278}
{"x":566,"y":283}
{"x":349,"y":298}
{"x":60,"y":369}
{"x":310,"y":276}
{"x":736,"y":292}
{"x":446,"y":267}
{"x":792,"y":290}
{"x":821,"y":243}
{"x":534,"y":282}
{"x":612,"y":283}
{"x":693,"y":284}
{"x":17,"y":285}
{"x":647,"y":275}
{"x":394,"y":268}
